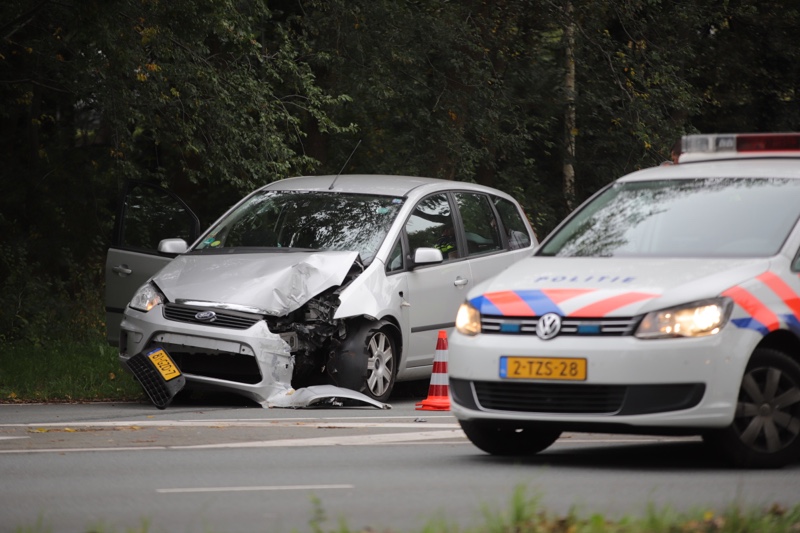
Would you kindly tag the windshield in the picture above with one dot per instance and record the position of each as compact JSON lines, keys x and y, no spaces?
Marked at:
{"x":720,"y":217}
{"x":306,"y":221}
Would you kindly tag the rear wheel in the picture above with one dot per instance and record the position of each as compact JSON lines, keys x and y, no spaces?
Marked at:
{"x":508,"y":440}
{"x":367,"y":360}
{"x":765,"y":432}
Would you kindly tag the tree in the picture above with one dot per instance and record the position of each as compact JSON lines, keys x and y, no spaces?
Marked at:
{"x":454,"y":90}
{"x":207,"y":97}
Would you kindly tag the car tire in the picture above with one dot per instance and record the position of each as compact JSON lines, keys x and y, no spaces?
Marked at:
{"x":508,"y":440}
{"x":765,"y":432}
{"x":367,"y":360}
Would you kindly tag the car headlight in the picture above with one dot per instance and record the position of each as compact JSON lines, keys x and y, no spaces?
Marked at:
{"x":696,"y":319}
{"x":146,"y":298}
{"x":468,"y":320}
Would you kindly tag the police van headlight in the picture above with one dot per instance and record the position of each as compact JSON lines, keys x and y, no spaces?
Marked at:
{"x":697,"y":319}
{"x":468,"y":320}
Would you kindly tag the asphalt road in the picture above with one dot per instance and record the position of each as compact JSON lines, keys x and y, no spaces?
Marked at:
{"x":219,"y":465}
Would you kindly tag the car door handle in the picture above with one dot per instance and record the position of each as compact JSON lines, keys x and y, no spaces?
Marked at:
{"x":460,"y":282}
{"x":122,"y":270}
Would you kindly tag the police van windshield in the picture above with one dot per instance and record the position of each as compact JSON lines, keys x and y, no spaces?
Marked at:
{"x":719,"y":217}
{"x":305,"y":220}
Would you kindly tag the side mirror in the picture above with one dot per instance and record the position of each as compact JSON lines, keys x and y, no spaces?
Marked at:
{"x":427,"y":256}
{"x":172,"y":246}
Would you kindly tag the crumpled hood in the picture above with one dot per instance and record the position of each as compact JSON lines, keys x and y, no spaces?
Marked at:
{"x":273,"y":283}
{"x":596,"y":287}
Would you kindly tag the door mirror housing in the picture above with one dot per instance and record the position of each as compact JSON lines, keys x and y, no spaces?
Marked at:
{"x":172,"y":246}
{"x":427,"y":256}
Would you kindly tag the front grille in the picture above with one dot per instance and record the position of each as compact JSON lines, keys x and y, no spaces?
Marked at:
{"x":224,"y":319}
{"x":228,"y":366}
{"x":549,"y":397}
{"x":606,"y":327}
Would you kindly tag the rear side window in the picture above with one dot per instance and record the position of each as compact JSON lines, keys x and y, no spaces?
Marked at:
{"x":513,"y":225}
{"x":480,"y":225}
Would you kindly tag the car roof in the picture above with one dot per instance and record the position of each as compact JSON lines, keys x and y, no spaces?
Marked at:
{"x":730,"y":168}
{"x":381,"y":184}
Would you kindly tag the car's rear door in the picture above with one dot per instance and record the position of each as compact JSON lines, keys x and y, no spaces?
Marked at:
{"x":146,"y":215}
{"x":495,"y":233}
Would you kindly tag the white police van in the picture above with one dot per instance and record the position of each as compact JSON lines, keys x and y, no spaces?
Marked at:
{"x":668,"y":303}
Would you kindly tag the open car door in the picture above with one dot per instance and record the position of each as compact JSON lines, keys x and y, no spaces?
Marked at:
{"x":147,"y":214}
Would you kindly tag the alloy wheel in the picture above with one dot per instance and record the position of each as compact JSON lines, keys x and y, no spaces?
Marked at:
{"x":380,"y":364}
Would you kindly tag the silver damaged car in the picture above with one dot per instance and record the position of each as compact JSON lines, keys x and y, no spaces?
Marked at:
{"x":336,"y":284}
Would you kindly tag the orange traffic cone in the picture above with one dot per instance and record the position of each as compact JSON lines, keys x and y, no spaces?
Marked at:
{"x":438,"y":393}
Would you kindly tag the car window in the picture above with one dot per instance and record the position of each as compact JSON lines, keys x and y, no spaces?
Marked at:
{"x":306,"y":220}
{"x":513,"y":225}
{"x":480,"y":225}
{"x":395,"y":261}
{"x":152,"y":214}
{"x":716,"y":217}
{"x":431,"y":225}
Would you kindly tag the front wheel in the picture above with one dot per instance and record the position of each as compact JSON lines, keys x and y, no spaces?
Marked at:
{"x":367,"y":360}
{"x":508,"y":440}
{"x":765,"y":432}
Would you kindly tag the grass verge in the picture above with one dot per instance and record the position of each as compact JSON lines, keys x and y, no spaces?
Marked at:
{"x":64,"y":371}
{"x":525,"y":515}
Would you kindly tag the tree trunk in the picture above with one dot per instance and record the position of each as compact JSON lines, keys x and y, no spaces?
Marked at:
{"x":570,"y":121}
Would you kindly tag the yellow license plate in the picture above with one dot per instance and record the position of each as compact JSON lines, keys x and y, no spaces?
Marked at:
{"x":555,"y":368}
{"x":164,"y":364}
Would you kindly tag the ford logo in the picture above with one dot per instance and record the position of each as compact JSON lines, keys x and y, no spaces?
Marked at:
{"x":206,"y":316}
{"x":548,"y":326}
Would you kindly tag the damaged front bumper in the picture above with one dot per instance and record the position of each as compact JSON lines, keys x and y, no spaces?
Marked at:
{"x":253,"y":361}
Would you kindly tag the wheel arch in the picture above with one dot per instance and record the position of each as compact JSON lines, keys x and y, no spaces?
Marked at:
{"x":397,"y":331}
{"x":784,"y":341}
{"x":397,"y":334}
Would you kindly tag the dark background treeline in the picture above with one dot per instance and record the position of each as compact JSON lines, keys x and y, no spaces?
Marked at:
{"x":546,"y":99}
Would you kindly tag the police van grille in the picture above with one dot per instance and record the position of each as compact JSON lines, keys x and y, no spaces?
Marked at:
{"x":605,"y":326}
{"x":224,"y":319}
{"x":549,"y":398}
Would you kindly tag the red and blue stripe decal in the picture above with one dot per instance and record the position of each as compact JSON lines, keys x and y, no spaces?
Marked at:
{"x":530,"y":303}
{"x":762,"y":318}
{"x":516,"y":303}
{"x":539,"y":302}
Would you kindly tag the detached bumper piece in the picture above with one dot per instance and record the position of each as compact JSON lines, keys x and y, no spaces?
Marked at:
{"x":158,"y":374}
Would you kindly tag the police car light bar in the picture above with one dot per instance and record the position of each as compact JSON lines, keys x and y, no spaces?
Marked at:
{"x":730,"y":143}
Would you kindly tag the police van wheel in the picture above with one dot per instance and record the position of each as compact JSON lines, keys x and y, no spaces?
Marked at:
{"x":367,"y":361}
{"x":508,"y":439}
{"x":765,"y":432}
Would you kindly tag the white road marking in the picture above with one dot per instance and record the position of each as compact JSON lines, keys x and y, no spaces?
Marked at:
{"x":70,"y":450}
{"x":247,"y":489}
{"x":439,"y":430}
{"x":348,"y":440}
{"x":238,"y":423}
{"x":361,"y":440}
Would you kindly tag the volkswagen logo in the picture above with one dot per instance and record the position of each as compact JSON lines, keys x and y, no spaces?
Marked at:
{"x":548,"y":326}
{"x":206,"y":316}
